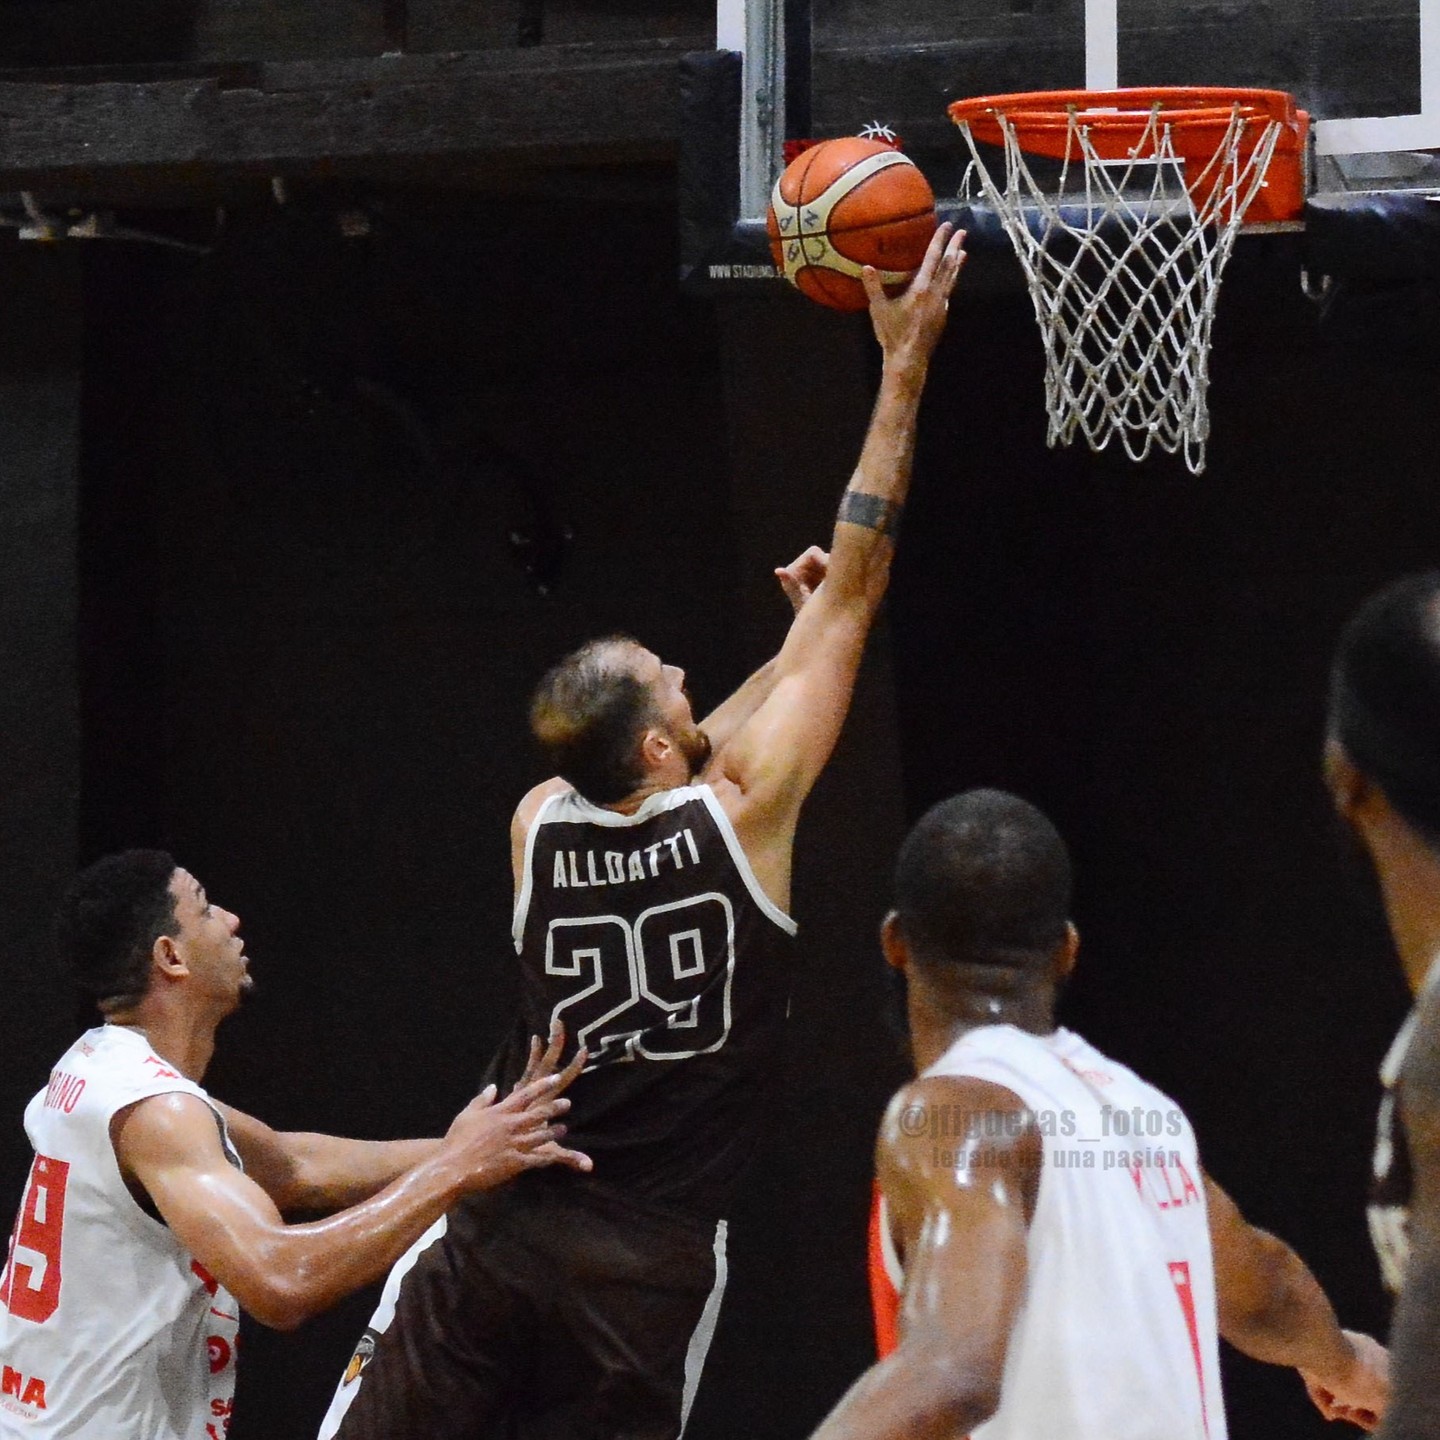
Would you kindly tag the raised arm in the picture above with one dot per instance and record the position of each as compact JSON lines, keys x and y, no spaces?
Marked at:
{"x":799,"y":580}
{"x":962,"y":1233}
{"x":1415,"y":1404}
{"x":1272,"y":1308}
{"x":282,"y":1274}
{"x":776,"y":756}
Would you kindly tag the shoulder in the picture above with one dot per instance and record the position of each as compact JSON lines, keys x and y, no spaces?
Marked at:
{"x":942,"y":1133}
{"x":113,"y":1068}
{"x":932,"y":1116}
{"x":165,"y":1129}
{"x":530,"y":806}
{"x":953,"y":1095}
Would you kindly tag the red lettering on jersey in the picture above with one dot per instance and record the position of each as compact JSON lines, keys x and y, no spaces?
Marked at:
{"x":206,"y":1278}
{"x":29,"y":1390}
{"x":162,"y":1070}
{"x":64,"y":1091}
{"x":1176,"y":1196}
{"x":1189,"y":1190}
{"x":1169,"y":1185}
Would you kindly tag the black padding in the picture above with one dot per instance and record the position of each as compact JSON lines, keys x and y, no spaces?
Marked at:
{"x":1382,"y":237}
{"x":709,"y":162}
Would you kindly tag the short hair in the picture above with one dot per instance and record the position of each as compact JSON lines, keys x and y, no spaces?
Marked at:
{"x":109,"y":920}
{"x":983,"y":879}
{"x":1385,"y":697}
{"x":589,"y":714}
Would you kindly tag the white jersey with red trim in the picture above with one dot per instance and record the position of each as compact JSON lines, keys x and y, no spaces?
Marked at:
{"x":1117,"y":1336}
{"x":108,"y":1327}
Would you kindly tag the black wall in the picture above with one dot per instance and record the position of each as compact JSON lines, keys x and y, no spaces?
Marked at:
{"x":314,"y":473}
{"x":40,"y":362}
{"x":344,"y":501}
{"x":128,"y":32}
{"x":1143,"y":653}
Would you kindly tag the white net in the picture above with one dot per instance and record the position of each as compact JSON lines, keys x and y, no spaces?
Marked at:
{"x":1123,"y":260}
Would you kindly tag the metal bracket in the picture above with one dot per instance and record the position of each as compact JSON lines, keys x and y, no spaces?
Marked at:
{"x":756,"y":29}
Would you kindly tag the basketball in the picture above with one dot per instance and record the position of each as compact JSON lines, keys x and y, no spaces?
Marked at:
{"x":842,"y":205}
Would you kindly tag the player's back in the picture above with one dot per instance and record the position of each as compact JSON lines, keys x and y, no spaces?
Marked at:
{"x":1117,"y":1338}
{"x":648,"y":936}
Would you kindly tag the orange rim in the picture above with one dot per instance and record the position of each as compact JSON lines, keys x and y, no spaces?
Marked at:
{"x":1197,"y":116}
{"x":1108,"y":109}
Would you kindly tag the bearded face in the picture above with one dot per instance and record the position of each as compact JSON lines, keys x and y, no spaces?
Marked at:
{"x":694,"y":744}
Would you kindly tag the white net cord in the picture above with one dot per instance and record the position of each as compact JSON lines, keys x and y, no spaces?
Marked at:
{"x":1123,"y":261}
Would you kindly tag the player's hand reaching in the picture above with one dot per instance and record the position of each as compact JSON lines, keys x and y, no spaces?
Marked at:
{"x":908,"y":325}
{"x":803,"y":576}
{"x":1360,"y":1394}
{"x":493,"y":1141}
{"x":543,"y":1061}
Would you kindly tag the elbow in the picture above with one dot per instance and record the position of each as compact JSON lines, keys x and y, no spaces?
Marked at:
{"x":982,"y":1401}
{"x":972,"y":1407}
{"x":960,"y":1396}
{"x":279,"y":1303}
{"x":959,"y":1408}
{"x":283,"y":1320}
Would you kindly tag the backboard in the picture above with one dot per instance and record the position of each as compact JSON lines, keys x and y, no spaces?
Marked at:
{"x":1368,"y":71}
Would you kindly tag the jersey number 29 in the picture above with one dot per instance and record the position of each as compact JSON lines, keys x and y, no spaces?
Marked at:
{"x":657,"y":989}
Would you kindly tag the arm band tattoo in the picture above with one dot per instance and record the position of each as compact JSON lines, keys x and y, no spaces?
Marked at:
{"x":882,"y":516}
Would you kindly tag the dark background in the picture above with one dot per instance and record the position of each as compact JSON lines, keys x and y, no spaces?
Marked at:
{"x":291,"y":527}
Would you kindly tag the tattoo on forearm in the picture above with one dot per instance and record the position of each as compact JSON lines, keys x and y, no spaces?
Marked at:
{"x":874,"y":513}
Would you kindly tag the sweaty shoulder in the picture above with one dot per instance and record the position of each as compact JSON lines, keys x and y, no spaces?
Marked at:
{"x":942,"y":1133}
{"x":934,"y":1105}
{"x":162,"y":1130}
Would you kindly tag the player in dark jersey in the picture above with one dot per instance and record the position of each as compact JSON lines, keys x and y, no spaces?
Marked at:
{"x":652,"y":881}
{"x":1382,"y":762}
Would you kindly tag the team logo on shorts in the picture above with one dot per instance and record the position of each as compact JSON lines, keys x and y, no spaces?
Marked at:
{"x":364,"y":1353}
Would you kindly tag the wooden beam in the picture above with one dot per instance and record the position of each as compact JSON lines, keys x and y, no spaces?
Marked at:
{"x":301,"y":118}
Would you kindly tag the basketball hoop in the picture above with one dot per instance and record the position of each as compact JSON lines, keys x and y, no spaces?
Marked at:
{"x":1123,"y":256}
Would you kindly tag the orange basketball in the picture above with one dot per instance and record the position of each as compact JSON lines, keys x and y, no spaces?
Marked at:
{"x":844,"y":204}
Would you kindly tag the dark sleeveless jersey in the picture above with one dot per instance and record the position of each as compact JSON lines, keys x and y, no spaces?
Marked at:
{"x":648,"y":936}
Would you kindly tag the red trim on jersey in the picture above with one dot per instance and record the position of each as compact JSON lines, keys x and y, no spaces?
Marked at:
{"x":884,"y":1297}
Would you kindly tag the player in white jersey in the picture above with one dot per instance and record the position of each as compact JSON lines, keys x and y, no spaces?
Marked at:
{"x":1067,"y":1267}
{"x":1382,"y":762}
{"x":151,"y":1209}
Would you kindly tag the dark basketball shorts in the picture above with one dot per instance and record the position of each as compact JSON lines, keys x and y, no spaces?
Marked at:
{"x":553,"y":1308}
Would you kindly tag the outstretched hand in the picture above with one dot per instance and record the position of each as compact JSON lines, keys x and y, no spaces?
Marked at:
{"x":1359,"y":1396}
{"x":495,"y":1141}
{"x":908,"y":325}
{"x":541,"y":1062}
{"x":803,"y":576}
